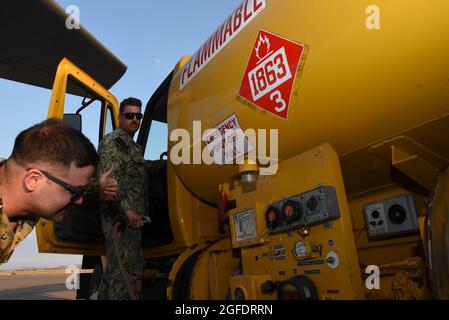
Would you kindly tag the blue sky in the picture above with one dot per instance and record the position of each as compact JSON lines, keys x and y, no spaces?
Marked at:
{"x":149,"y":37}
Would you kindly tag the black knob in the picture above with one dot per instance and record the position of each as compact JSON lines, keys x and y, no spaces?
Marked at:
{"x":330,"y":260}
{"x":375,"y":214}
{"x":268,"y":287}
{"x":291,"y":211}
{"x":272,"y":217}
{"x":397,"y":214}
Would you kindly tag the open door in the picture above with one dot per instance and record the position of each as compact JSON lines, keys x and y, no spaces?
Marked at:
{"x":153,"y":138}
{"x":85,"y":104}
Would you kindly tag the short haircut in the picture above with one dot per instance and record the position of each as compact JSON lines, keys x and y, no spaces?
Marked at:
{"x":54,"y":143}
{"x":130,"y":102}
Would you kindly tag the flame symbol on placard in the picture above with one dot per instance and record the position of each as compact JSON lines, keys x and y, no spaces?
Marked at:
{"x":263,"y":47}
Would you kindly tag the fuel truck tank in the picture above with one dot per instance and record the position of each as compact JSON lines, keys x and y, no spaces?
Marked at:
{"x":366,"y":74}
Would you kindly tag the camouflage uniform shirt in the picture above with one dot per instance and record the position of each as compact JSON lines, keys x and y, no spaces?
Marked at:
{"x":9,"y":238}
{"x":118,"y":149}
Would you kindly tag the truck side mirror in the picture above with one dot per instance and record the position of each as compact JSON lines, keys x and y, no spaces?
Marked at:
{"x":73,"y":120}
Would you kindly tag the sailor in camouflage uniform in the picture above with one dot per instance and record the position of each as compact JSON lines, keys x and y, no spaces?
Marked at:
{"x":11,"y":233}
{"x":122,"y":219}
{"x":50,"y":169}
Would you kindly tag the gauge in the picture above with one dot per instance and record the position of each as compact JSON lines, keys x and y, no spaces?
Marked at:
{"x":302,"y":250}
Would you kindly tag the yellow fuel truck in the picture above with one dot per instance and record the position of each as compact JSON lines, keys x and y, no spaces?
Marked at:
{"x":347,"y":194}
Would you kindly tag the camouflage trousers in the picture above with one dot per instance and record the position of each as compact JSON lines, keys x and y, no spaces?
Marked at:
{"x":114,"y":284}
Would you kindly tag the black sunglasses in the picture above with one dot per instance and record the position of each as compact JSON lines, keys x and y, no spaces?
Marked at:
{"x":77,"y":192}
{"x":131,"y":115}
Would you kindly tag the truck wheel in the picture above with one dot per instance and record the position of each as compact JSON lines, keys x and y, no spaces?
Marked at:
{"x":181,"y":285}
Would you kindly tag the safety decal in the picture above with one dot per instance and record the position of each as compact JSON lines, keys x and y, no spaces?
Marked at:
{"x":227,"y":142}
{"x":270,"y":75}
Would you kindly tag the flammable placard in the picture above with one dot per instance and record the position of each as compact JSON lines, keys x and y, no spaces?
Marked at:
{"x":270,"y":75}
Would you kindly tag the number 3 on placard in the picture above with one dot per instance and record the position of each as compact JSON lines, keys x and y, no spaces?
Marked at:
{"x":277,"y":97}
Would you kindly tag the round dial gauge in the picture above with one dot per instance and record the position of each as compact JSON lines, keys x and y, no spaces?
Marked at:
{"x":301,"y":250}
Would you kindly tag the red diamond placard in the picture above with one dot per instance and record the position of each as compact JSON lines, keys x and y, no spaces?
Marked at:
{"x":271,"y":72}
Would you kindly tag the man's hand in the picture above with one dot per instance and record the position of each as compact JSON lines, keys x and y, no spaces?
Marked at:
{"x":135,"y":219}
{"x":108,"y":186}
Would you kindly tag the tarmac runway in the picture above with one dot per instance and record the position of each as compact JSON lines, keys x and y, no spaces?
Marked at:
{"x":35,"y":287}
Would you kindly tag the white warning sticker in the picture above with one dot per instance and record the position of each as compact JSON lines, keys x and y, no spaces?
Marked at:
{"x":245,"y":226}
{"x":227,"y":142}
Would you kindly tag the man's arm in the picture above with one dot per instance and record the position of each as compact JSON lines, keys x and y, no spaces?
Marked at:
{"x":111,"y":156}
{"x":114,"y":152}
{"x":105,"y":187}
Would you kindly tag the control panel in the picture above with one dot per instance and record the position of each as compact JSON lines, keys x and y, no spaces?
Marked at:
{"x":391,"y":217}
{"x":307,"y":209}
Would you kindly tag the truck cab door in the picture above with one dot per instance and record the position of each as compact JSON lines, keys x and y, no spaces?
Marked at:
{"x":86,"y":105}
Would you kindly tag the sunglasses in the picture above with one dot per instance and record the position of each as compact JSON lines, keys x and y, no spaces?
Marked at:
{"x":130,"y":116}
{"x":77,"y":192}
